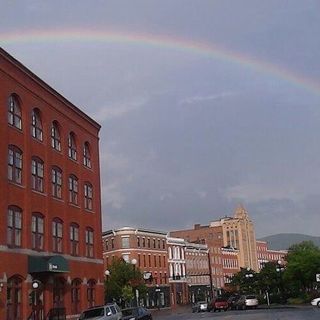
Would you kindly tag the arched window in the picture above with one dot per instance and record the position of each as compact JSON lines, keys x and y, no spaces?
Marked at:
{"x":37,"y":229}
{"x":14,"y":226}
{"x":55,"y":136}
{"x":91,"y":293}
{"x":14,"y":298}
{"x":56,"y":180}
{"x":14,"y":112}
{"x":37,"y":171}
{"x":57,"y":234}
{"x":86,"y":155}
{"x":74,"y":239}
{"x":88,"y":196}
{"x":14,"y":164}
{"x":36,"y":125}
{"x":72,"y":147}
{"x":170,"y":252}
{"x":73,"y":189}
{"x":75,"y":296}
{"x":89,"y":242}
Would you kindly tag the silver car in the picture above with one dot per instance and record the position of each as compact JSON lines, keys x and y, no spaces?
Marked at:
{"x":110,"y":311}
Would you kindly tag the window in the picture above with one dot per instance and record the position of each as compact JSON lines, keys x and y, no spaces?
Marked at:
{"x":14,"y":226}
{"x":75,"y":296}
{"x":88,"y":196}
{"x":72,"y":148}
{"x":37,"y":228}
{"x":57,"y":230}
{"x":73,"y":189}
{"x":91,"y":293}
{"x":125,"y":242}
{"x":56,"y":175}
{"x":14,"y":297}
{"x":55,"y":136}
{"x":14,"y":112}
{"x":37,"y":174}
{"x":36,"y":125}
{"x":74,"y":239}
{"x":86,"y":155}
{"x":89,"y":242}
{"x":15,"y":164}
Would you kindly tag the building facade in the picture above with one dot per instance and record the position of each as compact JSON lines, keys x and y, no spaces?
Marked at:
{"x":267,"y":255}
{"x":148,"y":250}
{"x":198,"y":272}
{"x":50,"y":226}
{"x":212,"y":236}
{"x":177,"y":271}
{"x":231,"y":243}
{"x":238,"y":232}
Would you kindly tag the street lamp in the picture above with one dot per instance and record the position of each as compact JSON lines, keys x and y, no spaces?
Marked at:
{"x":136,"y":292}
{"x":280,"y":268}
{"x":107,"y":274}
{"x":249,"y":277}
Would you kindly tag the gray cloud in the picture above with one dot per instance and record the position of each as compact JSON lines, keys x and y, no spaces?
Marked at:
{"x":185,"y":137}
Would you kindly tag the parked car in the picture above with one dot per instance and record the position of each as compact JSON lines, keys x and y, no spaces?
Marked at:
{"x":200,"y":306}
{"x":218,"y":304}
{"x":246,"y":301}
{"x":137,"y":313}
{"x":110,"y":311}
{"x":232,"y":301}
{"x":316,"y":302}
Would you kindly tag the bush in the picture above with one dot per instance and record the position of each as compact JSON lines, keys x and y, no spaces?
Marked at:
{"x":298,"y":300}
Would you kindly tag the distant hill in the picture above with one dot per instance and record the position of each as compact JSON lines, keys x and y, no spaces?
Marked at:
{"x":283,"y":241}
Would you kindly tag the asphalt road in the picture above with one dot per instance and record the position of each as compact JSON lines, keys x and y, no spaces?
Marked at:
{"x":283,"y":313}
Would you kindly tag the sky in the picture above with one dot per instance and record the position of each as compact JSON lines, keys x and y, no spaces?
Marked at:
{"x":204,"y":105}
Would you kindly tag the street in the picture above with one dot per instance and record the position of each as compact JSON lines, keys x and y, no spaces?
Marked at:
{"x":283,"y":313}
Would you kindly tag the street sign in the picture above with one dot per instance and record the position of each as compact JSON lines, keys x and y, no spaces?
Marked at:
{"x":318,"y":277}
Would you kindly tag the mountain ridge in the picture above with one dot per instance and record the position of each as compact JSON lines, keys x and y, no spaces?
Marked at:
{"x":282,"y":241}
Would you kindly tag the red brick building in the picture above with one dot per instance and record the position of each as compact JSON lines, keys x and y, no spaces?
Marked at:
{"x":50,"y":226}
{"x":267,"y":255}
{"x":212,"y":236}
{"x":198,"y":272}
{"x":148,"y":249}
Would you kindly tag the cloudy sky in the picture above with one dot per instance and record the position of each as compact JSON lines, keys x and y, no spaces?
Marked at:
{"x":203,"y":104}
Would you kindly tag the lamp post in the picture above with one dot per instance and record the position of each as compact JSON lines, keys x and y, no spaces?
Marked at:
{"x":136,"y":292}
{"x":280,"y":268}
{"x":249,"y":277}
{"x":106,"y":274}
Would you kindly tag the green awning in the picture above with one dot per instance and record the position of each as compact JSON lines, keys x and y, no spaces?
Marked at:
{"x":47,"y":264}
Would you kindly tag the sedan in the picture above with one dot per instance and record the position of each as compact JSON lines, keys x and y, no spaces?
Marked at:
{"x":316,"y":302}
{"x":200,"y":306}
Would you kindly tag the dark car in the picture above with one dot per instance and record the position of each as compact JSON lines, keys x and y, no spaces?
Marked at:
{"x":137,"y":313}
{"x":218,"y":304}
{"x":232,"y":301}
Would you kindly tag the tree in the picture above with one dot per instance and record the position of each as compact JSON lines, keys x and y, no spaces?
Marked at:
{"x":244,"y":281}
{"x":303,"y":263}
{"x":123,"y":278}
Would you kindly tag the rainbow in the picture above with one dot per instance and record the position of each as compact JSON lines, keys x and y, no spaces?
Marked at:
{"x":161,"y":41}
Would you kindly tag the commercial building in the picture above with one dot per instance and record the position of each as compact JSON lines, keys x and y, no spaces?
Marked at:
{"x":50,"y":226}
{"x":231,"y":243}
{"x":198,"y":275}
{"x":265,"y":254}
{"x":147,"y":249}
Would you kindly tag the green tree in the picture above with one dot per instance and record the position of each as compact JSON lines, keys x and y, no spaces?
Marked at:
{"x":245,"y":281}
{"x":303,"y":263}
{"x":123,"y":277}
